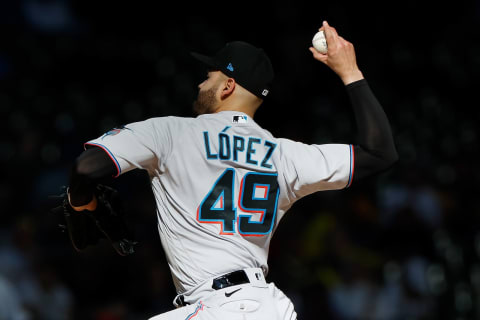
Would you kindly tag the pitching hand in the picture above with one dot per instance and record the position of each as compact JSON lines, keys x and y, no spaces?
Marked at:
{"x":340,"y":56}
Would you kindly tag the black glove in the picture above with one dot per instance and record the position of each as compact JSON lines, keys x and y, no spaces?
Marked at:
{"x":86,"y":228}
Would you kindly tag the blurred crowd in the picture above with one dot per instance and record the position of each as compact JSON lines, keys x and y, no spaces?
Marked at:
{"x":404,"y":244}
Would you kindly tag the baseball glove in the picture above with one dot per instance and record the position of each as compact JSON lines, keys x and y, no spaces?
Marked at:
{"x":86,"y":228}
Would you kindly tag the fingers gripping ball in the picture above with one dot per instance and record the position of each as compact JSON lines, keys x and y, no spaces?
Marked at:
{"x":86,"y":228}
{"x":319,"y":42}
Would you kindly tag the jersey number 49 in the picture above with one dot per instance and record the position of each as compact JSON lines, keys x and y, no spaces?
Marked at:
{"x":258,"y":197}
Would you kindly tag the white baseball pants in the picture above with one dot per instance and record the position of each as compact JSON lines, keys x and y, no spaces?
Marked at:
{"x":256,"y":300}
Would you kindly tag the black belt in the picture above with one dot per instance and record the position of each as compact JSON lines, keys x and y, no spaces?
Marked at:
{"x":225,"y":281}
{"x":230,"y":279}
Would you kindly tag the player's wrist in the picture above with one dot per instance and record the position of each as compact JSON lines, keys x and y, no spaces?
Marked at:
{"x":91,"y":206}
{"x":352,"y":77}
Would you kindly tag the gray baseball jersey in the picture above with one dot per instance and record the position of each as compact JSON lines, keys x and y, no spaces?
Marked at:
{"x":222,"y":183}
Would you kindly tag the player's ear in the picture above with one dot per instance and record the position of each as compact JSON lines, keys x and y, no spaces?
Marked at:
{"x":228,"y":88}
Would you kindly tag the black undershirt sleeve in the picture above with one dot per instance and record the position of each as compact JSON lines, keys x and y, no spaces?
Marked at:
{"x":93,"y":166}
{"x":375,"y":151}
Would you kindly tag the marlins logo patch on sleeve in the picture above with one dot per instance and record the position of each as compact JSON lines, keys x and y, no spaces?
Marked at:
{"x":114,"y":131}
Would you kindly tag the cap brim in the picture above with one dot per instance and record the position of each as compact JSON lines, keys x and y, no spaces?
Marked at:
{"x":205,"y":59}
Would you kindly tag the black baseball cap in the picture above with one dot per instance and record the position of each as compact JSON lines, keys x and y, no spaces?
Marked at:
{"x":247,"y":64}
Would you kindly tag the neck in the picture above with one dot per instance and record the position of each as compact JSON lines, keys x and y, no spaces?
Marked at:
{"x":240,"y":108}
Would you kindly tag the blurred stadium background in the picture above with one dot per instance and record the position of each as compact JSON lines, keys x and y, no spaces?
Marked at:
{"x":404,"y":244}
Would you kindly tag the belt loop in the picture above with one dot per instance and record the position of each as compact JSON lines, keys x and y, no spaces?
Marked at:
{"x":180,"y":301}
{"x":256,"y":277}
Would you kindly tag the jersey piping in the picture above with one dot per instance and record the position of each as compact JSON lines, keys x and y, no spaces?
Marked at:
{"x":110,"y":154}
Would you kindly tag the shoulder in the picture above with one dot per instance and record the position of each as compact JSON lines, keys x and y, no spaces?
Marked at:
{"x":158,"y":125}
{"x":269,"y":134}
{"x":168,"y":122}
{"x":170,"y":119}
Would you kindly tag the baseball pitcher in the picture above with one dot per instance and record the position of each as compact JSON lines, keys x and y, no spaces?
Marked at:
{"x":222,"y":183}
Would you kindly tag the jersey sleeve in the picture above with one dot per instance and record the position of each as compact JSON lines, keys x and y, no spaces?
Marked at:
{"x":310,"y":168}
{"x":143,"y":145}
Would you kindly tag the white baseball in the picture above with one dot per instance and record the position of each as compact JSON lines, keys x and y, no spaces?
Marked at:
{"x":319,"y":42}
